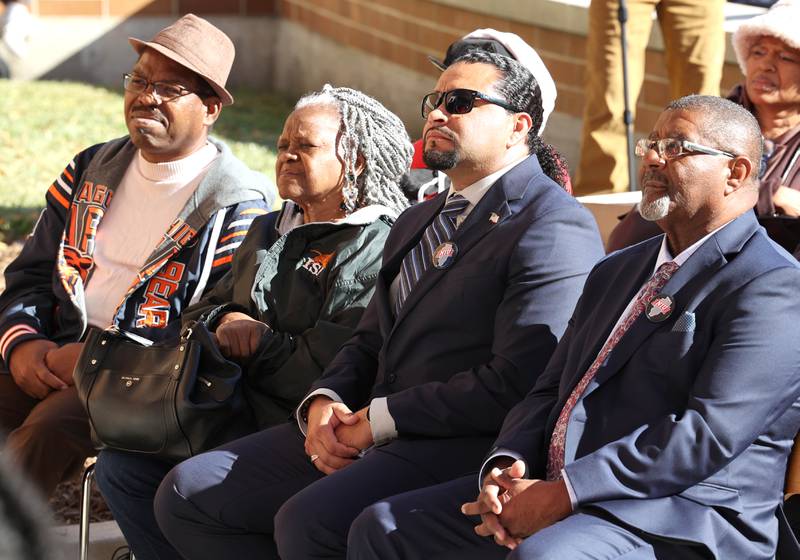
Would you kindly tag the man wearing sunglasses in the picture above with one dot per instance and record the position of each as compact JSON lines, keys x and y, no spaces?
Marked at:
{"x":662,"y":425}
{"x":134,"y":230}
{"x":475,"y":290}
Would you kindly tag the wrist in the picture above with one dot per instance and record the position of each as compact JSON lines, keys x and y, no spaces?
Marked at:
{"x":233,"y":316}
{"x":563,"y":498}
{"x":306,"y":408}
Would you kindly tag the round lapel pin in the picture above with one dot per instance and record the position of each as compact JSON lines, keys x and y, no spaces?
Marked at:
{"x":660,"y":308}
{"x":444,"y":255}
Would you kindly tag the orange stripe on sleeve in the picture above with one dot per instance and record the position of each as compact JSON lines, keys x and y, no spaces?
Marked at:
{"x":71,"y":180}
{"x":53,"y":190}
{"x":222,"y":260}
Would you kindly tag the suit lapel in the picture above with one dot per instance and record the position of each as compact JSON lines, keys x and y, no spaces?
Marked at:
{"x":629,"y":277}
{"x":502,"y":199}
{"x":393,"y":258}
{"x":695,"y":275}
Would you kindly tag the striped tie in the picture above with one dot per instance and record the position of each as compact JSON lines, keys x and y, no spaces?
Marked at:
{"x":417,"y":261}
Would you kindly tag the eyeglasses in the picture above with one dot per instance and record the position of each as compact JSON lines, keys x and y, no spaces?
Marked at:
{"x":164,"y":91}
{"x":671,"y":148}
{"x":459,"y":101}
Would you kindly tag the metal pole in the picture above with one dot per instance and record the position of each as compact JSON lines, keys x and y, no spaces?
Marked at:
{"x":86,"y":493}
{"x":622,"y":16}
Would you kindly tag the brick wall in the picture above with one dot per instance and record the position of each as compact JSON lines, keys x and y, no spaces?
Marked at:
{"x":405,"y":33}
{"x":125,"y":8}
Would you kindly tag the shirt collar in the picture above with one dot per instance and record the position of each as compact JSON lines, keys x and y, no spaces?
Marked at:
{"x":474,"y":192}
{"x":664,"y":254}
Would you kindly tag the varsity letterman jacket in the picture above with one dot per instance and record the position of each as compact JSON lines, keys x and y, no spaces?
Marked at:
{"x":44,"y":295}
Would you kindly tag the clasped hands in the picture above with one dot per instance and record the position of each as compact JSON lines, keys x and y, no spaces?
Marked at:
{"x":513,"y":508}
{"x":40,"y":366}
{"x":336,"y":435}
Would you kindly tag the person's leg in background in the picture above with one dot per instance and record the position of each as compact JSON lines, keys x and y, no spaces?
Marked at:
{"x":604,"y":153}
{"x":694,"y":40}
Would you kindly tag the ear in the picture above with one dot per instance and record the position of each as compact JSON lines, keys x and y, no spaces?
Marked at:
{"x":519,"y":134}
{"x":213,"y":107}
{"x":739,"y":170}
{"x":360,"y":164}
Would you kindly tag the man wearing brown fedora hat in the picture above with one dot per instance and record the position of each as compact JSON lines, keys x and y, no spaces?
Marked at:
{"x":181,"y":204}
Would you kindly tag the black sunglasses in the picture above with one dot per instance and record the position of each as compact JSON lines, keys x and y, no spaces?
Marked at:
{"x":459,"y":101}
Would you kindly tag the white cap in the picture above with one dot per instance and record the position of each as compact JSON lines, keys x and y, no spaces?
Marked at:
{"x":530,"y":59}
{"x":781,"y":21}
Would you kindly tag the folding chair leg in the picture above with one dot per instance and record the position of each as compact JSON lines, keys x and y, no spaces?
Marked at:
{"x":86,"y":493}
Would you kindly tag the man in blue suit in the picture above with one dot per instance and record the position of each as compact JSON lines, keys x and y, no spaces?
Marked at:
{"x":475,"y":290}
{"x":662,"y":424}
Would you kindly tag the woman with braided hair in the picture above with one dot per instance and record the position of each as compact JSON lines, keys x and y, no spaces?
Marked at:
{"x":300,"y":279}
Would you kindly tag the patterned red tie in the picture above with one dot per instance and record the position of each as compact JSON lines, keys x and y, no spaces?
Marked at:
{"x":555,"y":454}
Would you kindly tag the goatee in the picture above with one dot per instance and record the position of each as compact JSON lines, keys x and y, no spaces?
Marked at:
{"x":654,"y":210}
{"x":440,"y":161}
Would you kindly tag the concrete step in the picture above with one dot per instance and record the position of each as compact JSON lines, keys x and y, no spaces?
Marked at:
{"x":104,"y":538}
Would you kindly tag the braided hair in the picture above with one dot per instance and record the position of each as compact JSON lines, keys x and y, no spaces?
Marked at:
{"x":521,"y":90}
{"x":376,"y":134}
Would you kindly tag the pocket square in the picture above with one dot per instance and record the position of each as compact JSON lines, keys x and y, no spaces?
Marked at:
{"x":685,"y":323}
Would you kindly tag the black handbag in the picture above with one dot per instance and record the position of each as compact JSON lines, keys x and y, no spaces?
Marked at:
{"x":167,"y":400}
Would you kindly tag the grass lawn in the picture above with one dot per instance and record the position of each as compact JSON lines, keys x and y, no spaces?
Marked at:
{"x":44,"y":124}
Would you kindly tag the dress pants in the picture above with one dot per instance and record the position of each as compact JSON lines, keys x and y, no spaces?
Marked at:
{"x":128,"y":482}
{"x":260,"y":496}
{"x":48,"y":440}
{"x":694,"y":41}
{"x":428,"y":523}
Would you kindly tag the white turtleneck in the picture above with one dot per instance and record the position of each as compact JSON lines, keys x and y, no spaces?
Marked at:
{"x":146,"y":202}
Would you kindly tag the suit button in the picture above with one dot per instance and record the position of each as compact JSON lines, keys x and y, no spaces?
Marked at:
{"x":391,"y":378}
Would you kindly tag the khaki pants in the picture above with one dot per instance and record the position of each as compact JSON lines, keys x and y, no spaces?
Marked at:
{"x":793,"y":469}
{"x":47,"y":439}
{"x":694,"y":41}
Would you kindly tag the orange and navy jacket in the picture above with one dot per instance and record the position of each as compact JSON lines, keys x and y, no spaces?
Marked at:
{"x":44,"y":295}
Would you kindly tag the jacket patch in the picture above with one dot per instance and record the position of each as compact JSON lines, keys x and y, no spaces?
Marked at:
{"x":177,"y":236}
{"x":317,"y":262}
{"x":154,"y":311}
{"x":88,"y":208}
{"x":87,"y":211}
{"x":73,"y":266}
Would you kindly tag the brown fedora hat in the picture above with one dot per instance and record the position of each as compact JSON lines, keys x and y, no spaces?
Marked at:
{"x":197,"y":45}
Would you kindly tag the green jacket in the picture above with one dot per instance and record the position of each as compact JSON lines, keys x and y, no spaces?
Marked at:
{"x":310,"y":285}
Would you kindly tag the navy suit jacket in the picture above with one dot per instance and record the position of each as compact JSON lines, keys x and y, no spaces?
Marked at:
{"x":686,"y":429}
{"x":471,"y":339}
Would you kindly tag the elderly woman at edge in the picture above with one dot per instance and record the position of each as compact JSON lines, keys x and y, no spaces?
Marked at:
{"x":768,"y":51}
{"x":300,"y":279}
